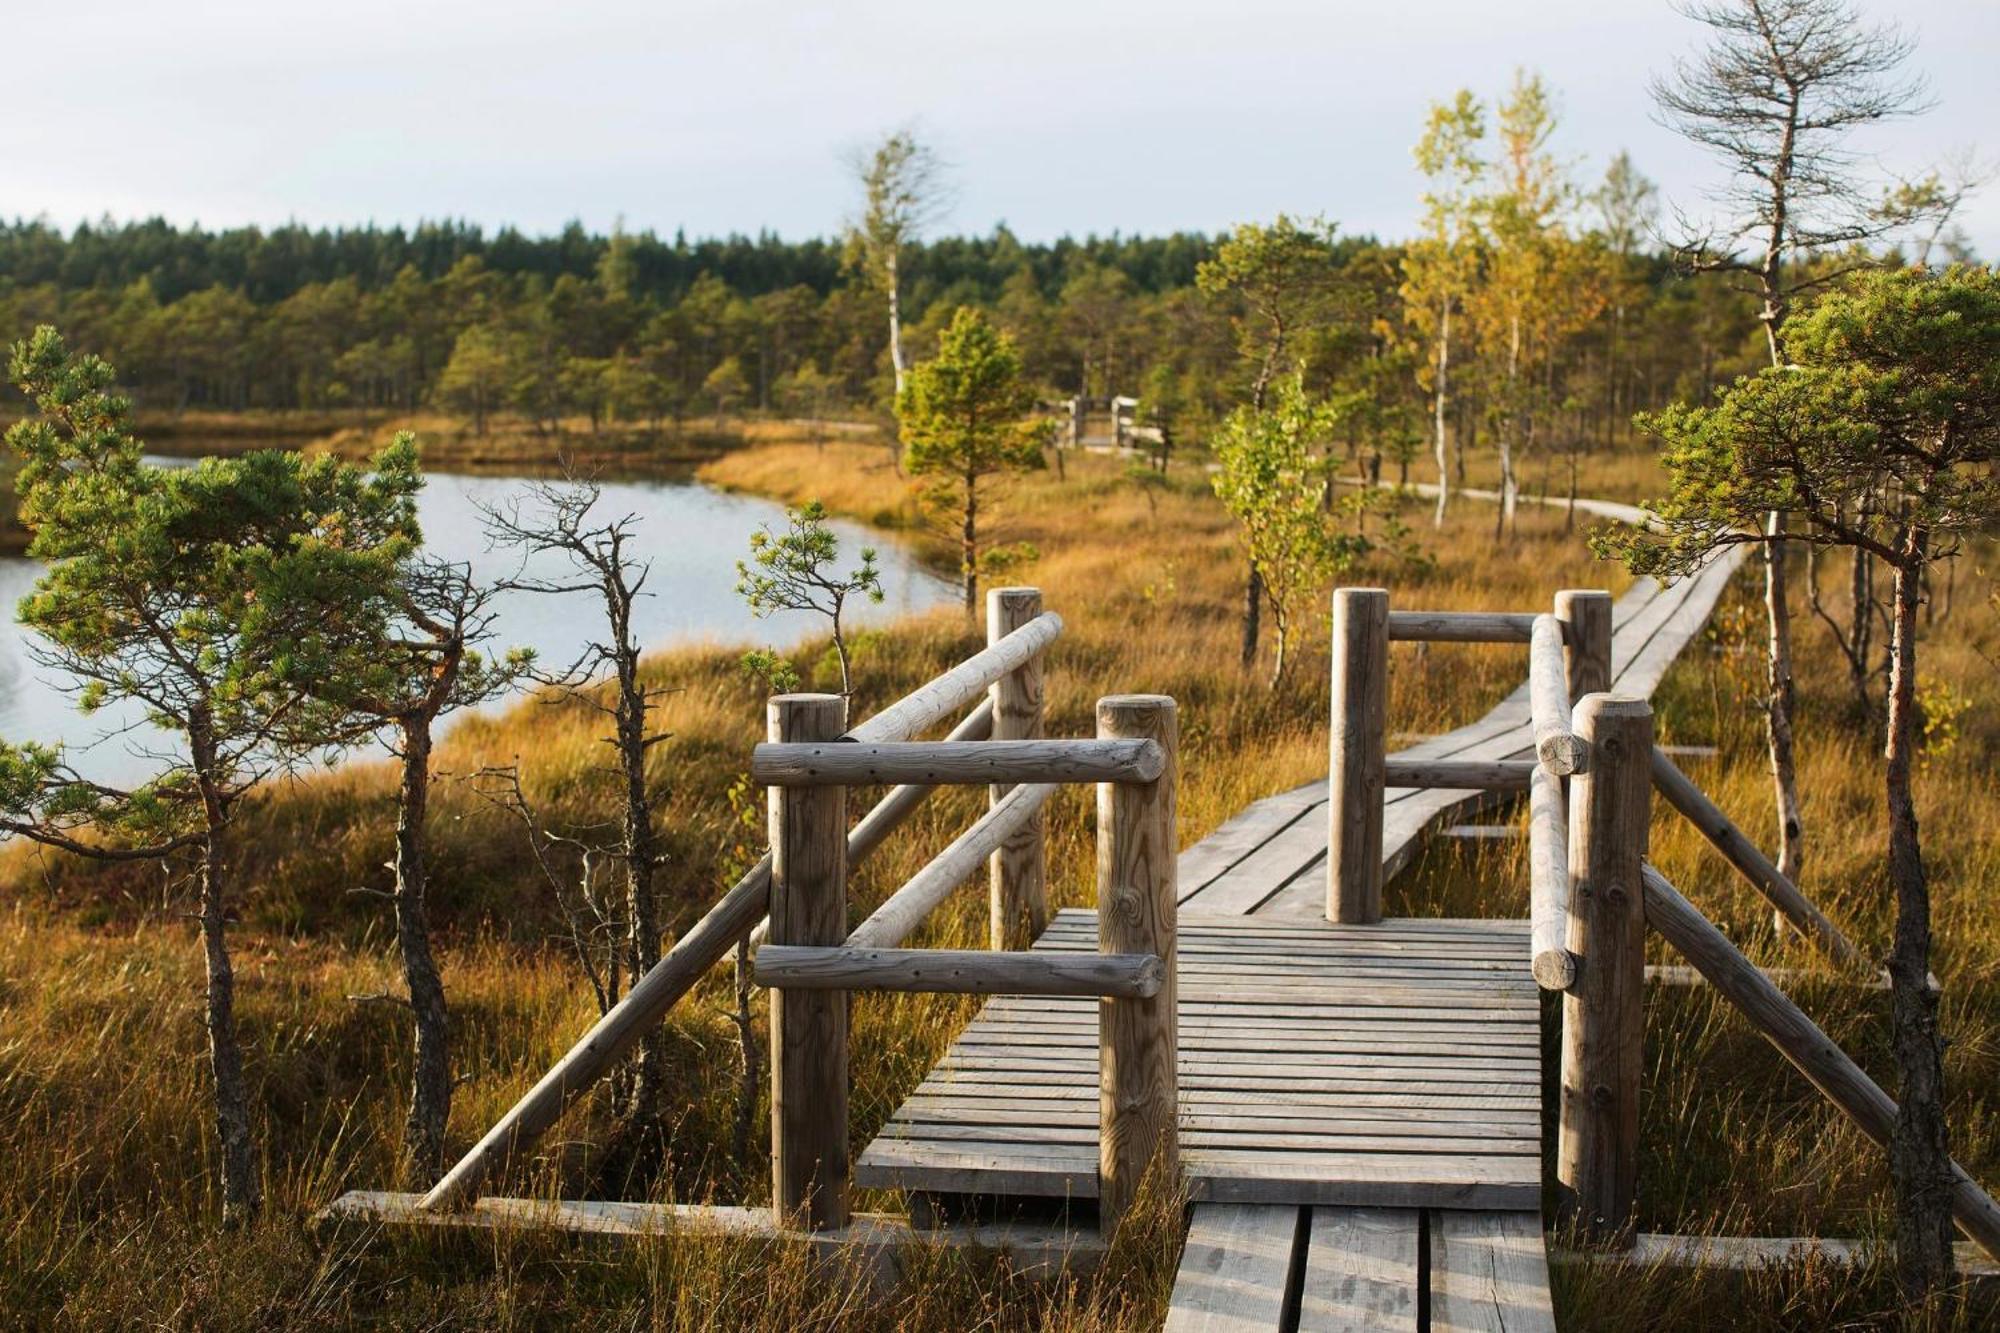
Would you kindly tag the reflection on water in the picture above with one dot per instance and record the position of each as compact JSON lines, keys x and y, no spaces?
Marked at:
{"x":692,"y":535}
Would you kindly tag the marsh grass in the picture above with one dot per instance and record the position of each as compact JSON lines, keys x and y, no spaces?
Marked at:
{"x":107,"y":1207}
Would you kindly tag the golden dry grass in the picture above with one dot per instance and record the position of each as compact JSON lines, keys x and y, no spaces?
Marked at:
{"x":105,"y":1212}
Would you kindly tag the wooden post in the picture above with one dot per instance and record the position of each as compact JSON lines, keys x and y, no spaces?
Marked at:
{"x":1586,"y":616}
{"x":1597,"y":1146}
{"x":1359,"y":726}
{"x":808,"y":1027}
{"x":1137,"y":1039}
{"x":1016,"y":874}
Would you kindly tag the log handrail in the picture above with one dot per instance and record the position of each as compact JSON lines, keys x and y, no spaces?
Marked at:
{"x":1553,"y":965}
{"x":736,"y":914}
{"x":1802,"y":1042}
{"x":939,"y":698}
{"x":954,"y":763}
{"x":1459,"y":774}
{"x":907,"y":908}
{"x":960,"y":971}
{"x":1556,"y":742}
{"x":1460,"y":626}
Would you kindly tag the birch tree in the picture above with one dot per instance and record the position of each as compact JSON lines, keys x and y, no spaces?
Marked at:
{"x":903,"y":190}
{"x":1271,"y":479}
{"x":1777,"y":94}
{"x":1439,"y":267}
{"x":1539,"y":285}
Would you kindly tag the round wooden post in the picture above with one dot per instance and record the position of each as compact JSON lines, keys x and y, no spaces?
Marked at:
{"x":1586,"y":617}
{"x":1137,"y":1040}
{"x":809,"y":1168}
{"x":1016,"y":874}
{"x":1597,"y":1146}
{"x":1359,"y":740}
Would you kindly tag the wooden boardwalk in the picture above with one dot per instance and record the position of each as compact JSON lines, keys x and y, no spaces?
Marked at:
{"x":1361,"y":1105}
{"x":1319,"y":1064}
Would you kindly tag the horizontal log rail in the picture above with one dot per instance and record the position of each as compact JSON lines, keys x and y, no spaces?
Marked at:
{"x":1553,"y":965}
{"x":739,"y":912}
{"x":949,"y":763}
{"x":959,"y":971}
{"x":933,"y":702}
{"x":1560,"y":750}
{"x":1752,"y":864}
{"x":1460,"y":627}
{"x":1459,"y":774}
{"x":1800,"y":1040}
{"x":907,"y":908}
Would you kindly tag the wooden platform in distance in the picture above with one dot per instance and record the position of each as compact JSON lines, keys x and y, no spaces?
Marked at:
{"x":1394,"y":1065}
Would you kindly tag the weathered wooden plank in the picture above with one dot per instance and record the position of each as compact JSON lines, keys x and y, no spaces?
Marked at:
{"x":959,"y":971}
{"x":1235,"y":1270}
{"x":876,"y":1238}
{"x":1459,"y":626}
{"x":1361,"y":1271}
{"x":1489,"y":1271}
{"x":1275,"y":1142}
{"x":843,"y":763}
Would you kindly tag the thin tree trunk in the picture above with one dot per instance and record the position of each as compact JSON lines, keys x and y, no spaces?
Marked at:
{"x":968,"y":547}
{"x":1919,"y":1150}
{"x":1440,"y":411}
{"x":641,"y":857}
{"x":895,"y":323}
{"x":430,"y":1078}
{"x":1778,"y":703}
{"x":1253,"y":605}
{"x":242,"y":1191}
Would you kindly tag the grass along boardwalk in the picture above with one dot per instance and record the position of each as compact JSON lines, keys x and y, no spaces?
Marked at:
{"x":1351,"y":1103}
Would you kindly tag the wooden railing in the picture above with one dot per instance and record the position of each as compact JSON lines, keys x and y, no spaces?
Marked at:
{"x":1569,"y":654}
{"x":793,"y":904}
{"x":1018,"y":634}
{"x":1592,"y":893}
{"x":811,"y":961}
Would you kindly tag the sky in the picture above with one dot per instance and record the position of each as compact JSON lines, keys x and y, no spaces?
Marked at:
{"x":1056,"y":117}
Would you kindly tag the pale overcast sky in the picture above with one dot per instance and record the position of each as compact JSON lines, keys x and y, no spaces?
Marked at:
{"x":1058,"y":117}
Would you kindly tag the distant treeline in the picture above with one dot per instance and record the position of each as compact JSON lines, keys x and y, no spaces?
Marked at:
{"x":638,"y":328}
{"x":268,"y":266}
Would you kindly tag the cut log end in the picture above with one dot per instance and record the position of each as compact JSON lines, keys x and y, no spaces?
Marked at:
{"x":1555,"y":969}
{"x":1563,"y":754}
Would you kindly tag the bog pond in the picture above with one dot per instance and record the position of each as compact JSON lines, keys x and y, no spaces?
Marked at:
{"x":691,"y":534}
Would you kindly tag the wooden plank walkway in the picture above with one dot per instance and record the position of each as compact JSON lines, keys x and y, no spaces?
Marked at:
{"x":1361,"y":1105}
{"x":1356,"y":1268}
{"x":1319,"y":1064}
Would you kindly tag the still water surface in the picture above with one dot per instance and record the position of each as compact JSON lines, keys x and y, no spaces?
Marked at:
{"x":692,"y":534}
